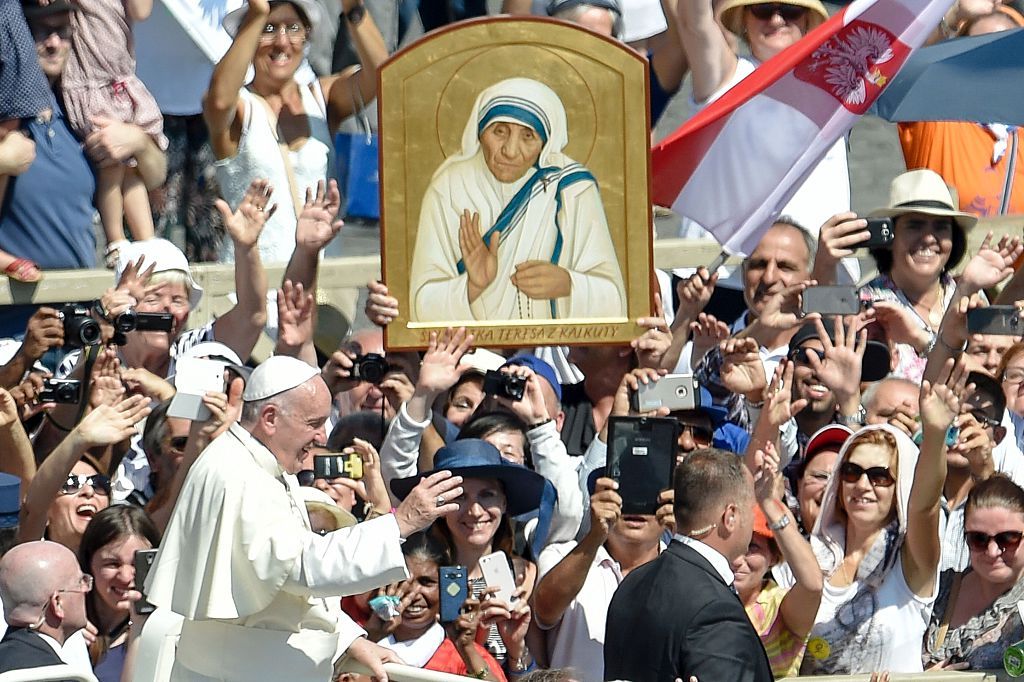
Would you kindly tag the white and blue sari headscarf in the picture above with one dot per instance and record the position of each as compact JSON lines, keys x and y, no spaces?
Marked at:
{"x":532,"y":104}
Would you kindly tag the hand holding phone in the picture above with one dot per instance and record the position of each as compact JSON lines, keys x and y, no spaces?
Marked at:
{"x":641,"y":458}
{"x":831,"y":300}
{"x":882,"y":233}
{"x":453,"y":585}
{"x":498,"y":573}
{"x":144,"y":559}
{"x":1002,"y":320}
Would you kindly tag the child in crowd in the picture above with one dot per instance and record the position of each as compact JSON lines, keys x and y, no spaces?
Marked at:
{"x":100,"y":88}
{"x":24,"y":94}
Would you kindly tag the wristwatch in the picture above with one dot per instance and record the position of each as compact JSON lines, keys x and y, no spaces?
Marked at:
{"x":356,"y":15}
{"x":853,"y":420}
{"x":780,"y":524}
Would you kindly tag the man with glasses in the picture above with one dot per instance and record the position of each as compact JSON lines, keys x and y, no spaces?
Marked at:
{"x":47,"y":213}
{"x":43,"y":592}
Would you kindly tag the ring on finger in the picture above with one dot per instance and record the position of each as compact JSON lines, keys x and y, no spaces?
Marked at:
{"x":440,"y":501}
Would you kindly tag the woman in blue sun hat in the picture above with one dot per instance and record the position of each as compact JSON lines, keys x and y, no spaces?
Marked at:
{"x":494,"y":490}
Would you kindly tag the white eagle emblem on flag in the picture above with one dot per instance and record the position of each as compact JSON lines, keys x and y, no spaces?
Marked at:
{"x":851,"y":60}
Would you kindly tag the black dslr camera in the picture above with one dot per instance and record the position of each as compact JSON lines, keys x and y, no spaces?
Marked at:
{"x":503,"y":385}
{"x":131,"y":321}
{"x":371,"y":367}
{"x":80,"y":329}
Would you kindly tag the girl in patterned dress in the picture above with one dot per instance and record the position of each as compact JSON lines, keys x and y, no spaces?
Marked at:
{"x":100,"y":89}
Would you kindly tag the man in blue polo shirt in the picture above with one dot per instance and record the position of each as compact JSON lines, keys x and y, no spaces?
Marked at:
{"x":47,"y":214}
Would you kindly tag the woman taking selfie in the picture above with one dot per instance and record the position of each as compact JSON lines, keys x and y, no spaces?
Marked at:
{"x":107,"y":553}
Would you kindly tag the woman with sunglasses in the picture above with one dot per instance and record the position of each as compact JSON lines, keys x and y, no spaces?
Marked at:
{"x":107,"y":553}
{"x":68,"y":490}
{"x":767,"y":28}
{"x":976,"y":614}
{"x":277,"y":127}
{"x":877,"y":541}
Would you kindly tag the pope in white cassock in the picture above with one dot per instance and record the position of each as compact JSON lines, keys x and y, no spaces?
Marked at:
{"x":511,"y":228}
{"x":241,"y":564}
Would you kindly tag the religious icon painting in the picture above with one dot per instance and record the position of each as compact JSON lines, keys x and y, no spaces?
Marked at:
{"x":514,"y":185}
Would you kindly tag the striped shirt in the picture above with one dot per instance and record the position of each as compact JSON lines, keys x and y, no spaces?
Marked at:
{"x":785,"y":650}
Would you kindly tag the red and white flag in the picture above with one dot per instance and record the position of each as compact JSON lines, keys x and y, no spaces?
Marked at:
{"x":736,"y":164}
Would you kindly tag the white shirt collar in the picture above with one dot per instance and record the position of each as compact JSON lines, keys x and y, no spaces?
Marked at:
{"x":58,"y":649}
{"x":714,"y":557}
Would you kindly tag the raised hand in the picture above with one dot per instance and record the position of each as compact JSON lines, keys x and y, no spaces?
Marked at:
{"x":975,"y":445}
{"x":139,"y":380}
{"x":836,"y":240}
{"x":694,"y":294}
{"x":107,"y":387}
{"x":840,"y":371}
{"x":991,"y":264}
{"x":246,"y":223}
{"x":317,"y":224}
{"x":605,"y":507}
{"x":428,"y":501}
{"x":630,"y":384}
{"x":940,"y":402}
{"x":901,"y":325}
{"x":440,"y":369}
{"x":651,"y":346}
{"x":779,"y":404}
{"x":134,"y":282}
{"x":708,"y":332}
{"x":742,"y":369}
{"x":769,"y":483}
{"x":109,"y":424}
{"x":294,"y":315}
{"x":782,"y":309}
{"x":8,"y":410}
{"x":481,"y":260}
{"x":45,"y":330}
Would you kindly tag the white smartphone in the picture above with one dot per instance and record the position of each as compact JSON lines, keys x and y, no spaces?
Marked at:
{"x":497,"y":573}
{"x":193,"y":378}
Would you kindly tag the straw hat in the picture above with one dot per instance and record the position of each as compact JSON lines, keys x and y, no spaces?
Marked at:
{"x":730,"y":13}
{"x":924,"y":191}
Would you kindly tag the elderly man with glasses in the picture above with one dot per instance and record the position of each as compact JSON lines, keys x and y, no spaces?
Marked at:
{"x":43,"y":592}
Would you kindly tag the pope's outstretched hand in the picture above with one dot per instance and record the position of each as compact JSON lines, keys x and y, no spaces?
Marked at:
{"x":431,"y":499}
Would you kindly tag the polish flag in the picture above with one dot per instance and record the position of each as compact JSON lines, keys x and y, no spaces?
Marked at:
{"x":736,"y":164}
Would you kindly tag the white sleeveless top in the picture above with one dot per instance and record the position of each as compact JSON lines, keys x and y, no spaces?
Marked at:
{"x":259,"y":156}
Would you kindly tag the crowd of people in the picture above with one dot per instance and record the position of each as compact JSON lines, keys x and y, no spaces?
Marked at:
{"x":845,"y":493}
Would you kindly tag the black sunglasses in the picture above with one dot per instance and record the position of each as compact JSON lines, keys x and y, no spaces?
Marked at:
{"x":877,"y":476}
{"x":802,"y":355}
{"x":1008,"y":540}
{"x":700,"y":434}
{"x":41,"y":32}
{"x":76,"y":482}
{"x":766,"y":11}
{"x":984,"y":419}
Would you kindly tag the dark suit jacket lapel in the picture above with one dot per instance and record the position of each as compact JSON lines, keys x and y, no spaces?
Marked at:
{"x":32,"y":639}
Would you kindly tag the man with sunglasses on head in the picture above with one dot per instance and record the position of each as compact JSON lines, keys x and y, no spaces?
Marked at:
{"x":43,"y":592}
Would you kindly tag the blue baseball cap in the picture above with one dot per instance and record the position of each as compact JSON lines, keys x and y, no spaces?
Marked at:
{"x":539,"y":367}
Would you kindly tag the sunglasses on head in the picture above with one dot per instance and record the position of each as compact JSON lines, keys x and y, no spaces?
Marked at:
{"x":701,"y":435}
{"x":1008,"y":540}
{"x":766,"y":11}
{"x":877,"y":476}
{"x":75,"y":482}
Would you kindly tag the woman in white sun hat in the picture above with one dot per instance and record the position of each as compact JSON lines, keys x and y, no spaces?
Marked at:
{"x":275,"y":127}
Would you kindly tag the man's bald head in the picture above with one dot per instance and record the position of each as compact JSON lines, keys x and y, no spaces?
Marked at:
{"x":30,"y":574}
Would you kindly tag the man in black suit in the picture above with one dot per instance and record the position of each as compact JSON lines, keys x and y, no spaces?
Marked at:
{"x":678,"y":616}
{"x":43,"y":592}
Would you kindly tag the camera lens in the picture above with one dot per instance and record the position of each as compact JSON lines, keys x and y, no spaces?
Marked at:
{"x":65,"y":394}
{"x":126,"y":322}
{"x":81,"y":331}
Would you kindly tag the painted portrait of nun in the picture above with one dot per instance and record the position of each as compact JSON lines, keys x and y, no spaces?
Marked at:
{"x":510,"y":228}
